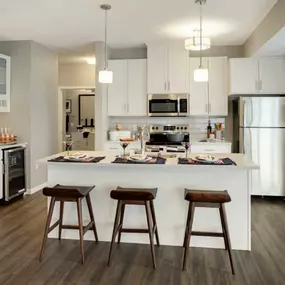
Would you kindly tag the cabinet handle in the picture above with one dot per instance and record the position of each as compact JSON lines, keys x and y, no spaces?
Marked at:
{"x":260,"y":85}
{"x":210,"y":108}
{"x":168,"y":85}
{"x":257,"y":85}
{"x":209,"y":149}
{"x":206,"y":108}
{"x":165,"y":86}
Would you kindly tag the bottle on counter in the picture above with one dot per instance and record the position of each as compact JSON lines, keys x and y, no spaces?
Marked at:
{"x":209,"y":129}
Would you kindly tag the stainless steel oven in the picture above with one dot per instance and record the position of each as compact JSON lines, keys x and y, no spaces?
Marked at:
{"x":14,"y":182}
{"x":168,"y":105}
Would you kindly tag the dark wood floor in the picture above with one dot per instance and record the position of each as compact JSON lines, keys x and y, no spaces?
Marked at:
{"x":21,"y":227}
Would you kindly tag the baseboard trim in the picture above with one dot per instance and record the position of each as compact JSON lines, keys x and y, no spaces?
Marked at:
{"x":37,"y":188}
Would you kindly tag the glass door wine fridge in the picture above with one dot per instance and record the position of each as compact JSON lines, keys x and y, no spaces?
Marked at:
{"x":14,"y":182}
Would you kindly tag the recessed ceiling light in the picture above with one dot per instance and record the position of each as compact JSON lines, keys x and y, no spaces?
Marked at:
{"x":91,"y":60}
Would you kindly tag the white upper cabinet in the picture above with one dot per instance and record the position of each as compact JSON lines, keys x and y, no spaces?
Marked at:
{"x":272,"y":75}
{"x":209,"y":98}
{"x":218,"y":86}
{"x":157,"y":69}
{"x":137,"y":95}
{"x":127,"y":94}
{"x":243,"y":75}
{"x":167,"y":69}
{"x":178,"y":69}
{"x":117,"y":91}
{"x":5,"y":83}
{"x":257,"y":76}
{"x":198,"y":90}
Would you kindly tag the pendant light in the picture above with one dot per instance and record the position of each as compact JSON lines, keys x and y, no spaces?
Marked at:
{"x":106,"y":76}
{"x":195,"y":43}
{"x":201,"y":74}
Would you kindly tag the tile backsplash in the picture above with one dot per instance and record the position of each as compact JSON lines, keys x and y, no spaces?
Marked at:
{"x":197,"y":125}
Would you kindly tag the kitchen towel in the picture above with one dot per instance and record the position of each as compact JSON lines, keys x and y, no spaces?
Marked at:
{"x":83,"y":160}
{"x":221,"y":161}
{"x":158,"y":160}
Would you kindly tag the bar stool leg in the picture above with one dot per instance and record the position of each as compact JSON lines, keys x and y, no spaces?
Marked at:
{"x":89,"y":205}
{"x":154,"y":222}
{"x":188,"y":231}
{"x":121,"y":223}
{"x":150,"y":234}
{"x":60,"y":219}
{"x":223,"y":227}
{"x":227,"y":240}
{"x":50,"y":212}
{"x":115,"y":230}
{"x":80,"y":226}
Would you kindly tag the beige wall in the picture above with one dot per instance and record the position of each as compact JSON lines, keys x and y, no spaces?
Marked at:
{"x":128,"y":53}
{"x":76,"y":75}
{"x":43,"y":111}
{"x":272,"y":23}
{"x":229,"y":51}
{"x":33,"y":102}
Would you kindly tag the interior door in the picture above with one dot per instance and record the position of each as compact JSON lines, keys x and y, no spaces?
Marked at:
{"x":272,"y":75}
{"x":198,"y":91}
{"x":265,"y":146}
{"x":117,"y":91}
{"x":243,"y":75}
{"x":157,"y":69}
{"x":137,"y":96}
{"x":218,"y":95}
{"x":178,"y":69}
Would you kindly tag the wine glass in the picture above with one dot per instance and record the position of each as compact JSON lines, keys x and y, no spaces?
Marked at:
{"x":186,"y":145}
{"x":124,"y":146}
{"x":67,"y":145}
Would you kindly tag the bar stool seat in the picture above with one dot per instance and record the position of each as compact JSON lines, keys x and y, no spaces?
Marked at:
{"x":134,"y":196}
{"x":67,"y":193}
{"x":207,"y":199}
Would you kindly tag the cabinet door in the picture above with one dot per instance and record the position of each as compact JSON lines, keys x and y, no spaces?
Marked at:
{"x":5,"y":82}
{"x":198,"y":91}
{"x":156,"y":69}
{"x":178,"y":70}
{"x":117,"y":91}
{"x":218,"y":95}
{"x":137,"y":96}
{"x":272,"y":75}
{"x":243,"y":76}
{"x":211,"y":148}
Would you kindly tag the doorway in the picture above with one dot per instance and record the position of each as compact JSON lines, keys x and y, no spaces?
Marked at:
{"x":77,"y":118}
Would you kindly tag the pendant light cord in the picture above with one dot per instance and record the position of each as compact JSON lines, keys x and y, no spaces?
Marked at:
{"x":106,"y":58}
{"x":200,"y":33}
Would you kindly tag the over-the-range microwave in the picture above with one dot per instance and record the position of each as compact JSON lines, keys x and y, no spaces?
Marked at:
{"x":168,"y":105}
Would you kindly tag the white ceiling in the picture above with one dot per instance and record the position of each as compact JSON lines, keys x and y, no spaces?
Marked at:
{"x":64,"y":24}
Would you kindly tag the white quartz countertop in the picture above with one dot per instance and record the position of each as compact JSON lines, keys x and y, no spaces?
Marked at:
{"x":241,"y":160}
{"x":3,"y":146}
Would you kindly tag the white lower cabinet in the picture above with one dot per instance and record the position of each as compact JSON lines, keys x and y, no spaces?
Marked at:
{"x":211,"y":147}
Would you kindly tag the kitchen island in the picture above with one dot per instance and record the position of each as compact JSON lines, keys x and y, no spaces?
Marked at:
{"x":171,"y":209}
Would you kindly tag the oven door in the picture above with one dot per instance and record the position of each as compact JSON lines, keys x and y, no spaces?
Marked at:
{"x":14,"y":176}
{"x":161,"y":105}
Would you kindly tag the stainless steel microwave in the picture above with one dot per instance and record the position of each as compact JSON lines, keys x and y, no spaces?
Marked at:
{"x":168,"y":105}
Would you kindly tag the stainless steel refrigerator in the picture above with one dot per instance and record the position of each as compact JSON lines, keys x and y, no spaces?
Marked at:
{"x":259,"y":132}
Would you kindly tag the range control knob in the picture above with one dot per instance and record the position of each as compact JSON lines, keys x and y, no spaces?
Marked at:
{"x":156,"y":128}
{"x":153,"y":128}
{"x":185,"y":128}
{"x":177,"y":128}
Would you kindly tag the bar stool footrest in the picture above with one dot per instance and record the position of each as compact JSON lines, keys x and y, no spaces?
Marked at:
{"x":207,"y":234}
{"x":139,"y":231}
{"x":53,"y":226}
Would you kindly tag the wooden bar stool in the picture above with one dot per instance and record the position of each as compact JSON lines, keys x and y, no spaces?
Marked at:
{"x":134,"y":196}
{"x":207,"y":199}
{"x":63,"y":193}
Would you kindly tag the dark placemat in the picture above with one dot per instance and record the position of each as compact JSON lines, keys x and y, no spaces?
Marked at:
{"x":158,"y":160}
{"x":221,"y":161}
{"x":89,"y":160}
